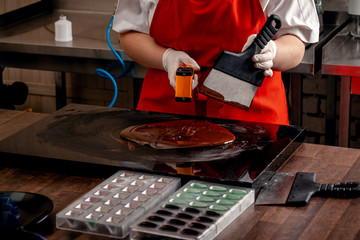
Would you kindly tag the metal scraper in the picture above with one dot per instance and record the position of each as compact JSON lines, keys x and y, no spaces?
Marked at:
{"x":296,"y":190}
{"x":234,"y":79}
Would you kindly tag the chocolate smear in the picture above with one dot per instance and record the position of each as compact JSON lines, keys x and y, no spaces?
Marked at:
{"x":178,"y":134}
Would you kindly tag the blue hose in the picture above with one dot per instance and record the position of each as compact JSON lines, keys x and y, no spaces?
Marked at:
{"x":104,"y":73}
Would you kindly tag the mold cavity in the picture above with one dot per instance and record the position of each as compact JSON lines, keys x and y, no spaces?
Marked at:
{"x":184,"y":195}
{"x":127,"y":174}
{"x":170,"y":206}
{"x":184,"y":216}
{"x":238,"y":192}
{"x":132,"y":205}
{"x":211,"y":194}
{"x":118,"y":180}
{"x":124,"y":212}
{"x":197,"y":204}
{"x":197,"y":225}
{"x":158,"y":185}
{"x":114,"y":219}
{"x":145,"y":177}
{"x":83,"y":206}
{"x":191,"y":210}
{"x":212,"y":214}
{"x":204,"y":219}
{"x":198,"y":185}
{"x":149,"y":192}
{"x":218,"y":208}
{"x":225,"y":202}
{"x":205,"y":199}
{"x":232,"y":197}
{"x":168,"y":228}
{"x":73,"y":213}
{"x":141,"y":199}
{"x":156,"y":218}
{"x":92,"y":199}
{"x":110,"y":186}
{"x":192,"y":190}
{"x":137,"y":183}
{"x":178,"y":201}
{"x":112,"y":202}
{"x":177,"y":222}
{"x":94,"y":216}
{"x":121,"y":195}
{"x":191,"y":232}
{"x":218,"y":189}
{"x":129,"y":189}
{"x":101,"y":193}
{"x":102,"y":209}
{"x":148,"y":224}
{"x":165,"y":180}
{"x":163,"y":212}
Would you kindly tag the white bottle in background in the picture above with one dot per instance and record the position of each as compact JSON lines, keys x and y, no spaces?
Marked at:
{"x":63,"y":31}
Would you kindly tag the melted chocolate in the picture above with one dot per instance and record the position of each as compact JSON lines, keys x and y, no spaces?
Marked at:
{"x":211,"y":93}
{"x":179,"y":134}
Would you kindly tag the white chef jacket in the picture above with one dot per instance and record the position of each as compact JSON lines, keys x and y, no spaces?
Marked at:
{"x":298,"y":17}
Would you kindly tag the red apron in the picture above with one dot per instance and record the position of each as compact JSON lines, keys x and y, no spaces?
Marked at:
{"x":202,"y":29}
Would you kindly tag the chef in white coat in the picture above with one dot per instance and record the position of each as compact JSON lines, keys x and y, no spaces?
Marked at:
{"x":165,"y":34}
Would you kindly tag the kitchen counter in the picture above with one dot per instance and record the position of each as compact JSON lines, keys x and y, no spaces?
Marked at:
{"x":320,"y":219}
{"x":31,"y":45}
{"x":35,"y":39}
{"x":341,"y":56}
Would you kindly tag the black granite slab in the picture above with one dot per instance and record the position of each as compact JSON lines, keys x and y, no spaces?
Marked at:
{"x":90,"y":134}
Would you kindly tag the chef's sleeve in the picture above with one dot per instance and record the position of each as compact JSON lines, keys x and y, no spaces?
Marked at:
{"x":134,"y":15}
{"x":299,"y":18}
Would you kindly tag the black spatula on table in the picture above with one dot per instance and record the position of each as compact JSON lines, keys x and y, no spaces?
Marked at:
{"x":297,"y":189}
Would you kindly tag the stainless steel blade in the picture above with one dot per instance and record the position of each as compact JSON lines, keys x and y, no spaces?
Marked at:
{"x":231,"y":88}
{"x":276,"y":191}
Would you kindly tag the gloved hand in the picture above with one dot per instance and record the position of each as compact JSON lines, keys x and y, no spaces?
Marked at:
{"x":173,"y":59}
{"x":263,"y":60}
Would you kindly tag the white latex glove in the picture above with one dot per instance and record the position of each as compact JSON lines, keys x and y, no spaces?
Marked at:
{"x":173,"y":59}
{"x":263,"y":60}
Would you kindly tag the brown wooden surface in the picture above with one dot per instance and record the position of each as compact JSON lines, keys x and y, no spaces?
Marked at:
{"x":14,"y":121}
{"x":320,"y":219}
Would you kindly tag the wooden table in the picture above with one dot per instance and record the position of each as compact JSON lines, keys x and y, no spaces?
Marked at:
{"x":320,"y":219}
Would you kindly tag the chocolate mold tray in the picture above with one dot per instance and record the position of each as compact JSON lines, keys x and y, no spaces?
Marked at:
{"x":199,"y":210}
{"x":112,"y":206}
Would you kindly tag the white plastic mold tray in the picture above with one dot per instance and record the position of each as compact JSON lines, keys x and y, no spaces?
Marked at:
{"x":111,"y":207}
{"x":199,"y":210}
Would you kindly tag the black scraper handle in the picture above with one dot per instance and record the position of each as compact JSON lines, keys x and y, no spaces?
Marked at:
{"x":340,"y":190}
{"x":240,"y":65}
{"x":304,"y":187}
{"x":270,"y":28}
